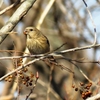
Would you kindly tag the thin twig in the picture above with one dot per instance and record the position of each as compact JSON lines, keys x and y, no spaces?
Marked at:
{"x":47,"y":8}
{"x":50,"y":79}
{"x":83,"y":73}
{"x":21,"y":67}
{"x":31,"y":91}
{"x":79,"y":61}
{"x":1,"y":3}
{"x":42,"y":56}
{"x":53,"y":54}
{"x":10,"y":7}
{"x":78,"y":48}
{"x":96,"y":97}
{"x":95,"y":37}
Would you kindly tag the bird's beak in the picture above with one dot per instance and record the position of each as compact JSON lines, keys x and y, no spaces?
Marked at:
{"x":25,"y":32}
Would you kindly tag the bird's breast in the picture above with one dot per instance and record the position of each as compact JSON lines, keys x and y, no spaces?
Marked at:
{"x":37,"y":46}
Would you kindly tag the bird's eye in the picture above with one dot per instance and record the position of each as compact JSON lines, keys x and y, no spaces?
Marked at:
{"x":31,"y":29}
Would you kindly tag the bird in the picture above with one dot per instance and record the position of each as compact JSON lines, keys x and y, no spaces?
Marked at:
{"x":36,"y":41}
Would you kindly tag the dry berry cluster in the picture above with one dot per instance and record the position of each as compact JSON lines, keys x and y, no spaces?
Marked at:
{"x":9,"y":78}
{"x":84,"y":90}
{"x":25,"y":79}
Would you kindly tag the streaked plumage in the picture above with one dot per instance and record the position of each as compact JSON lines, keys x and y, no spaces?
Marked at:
{"x":36,"y":42}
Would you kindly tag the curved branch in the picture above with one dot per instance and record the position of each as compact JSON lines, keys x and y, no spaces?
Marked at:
{"x":9,"y":7}
{"x":15,"y":18}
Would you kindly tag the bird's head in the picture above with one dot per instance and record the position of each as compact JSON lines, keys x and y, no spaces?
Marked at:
{"x":31,"y":32}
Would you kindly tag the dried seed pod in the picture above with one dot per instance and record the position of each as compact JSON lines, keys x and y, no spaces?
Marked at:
{"x":82,"y":84}
{"x":76,"y":89}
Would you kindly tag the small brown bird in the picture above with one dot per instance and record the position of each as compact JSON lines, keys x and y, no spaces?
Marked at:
{"x":36,"y":42}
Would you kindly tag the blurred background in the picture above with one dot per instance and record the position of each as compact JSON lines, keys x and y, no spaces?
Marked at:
{"x":66,"y":22}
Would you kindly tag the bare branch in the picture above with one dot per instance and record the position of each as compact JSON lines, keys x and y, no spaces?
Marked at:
{"x":95,"y":37}
{"x":45,"y":13}
{"x":21,"y":67}
{"x":9,"y":7}
{"x":15,"y":18}
{"x":56,"y":53}
{"x":1,"y":2}
{"x":94,"y":97}
{"x":78,"y":48}
{"x":31,"y":91}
